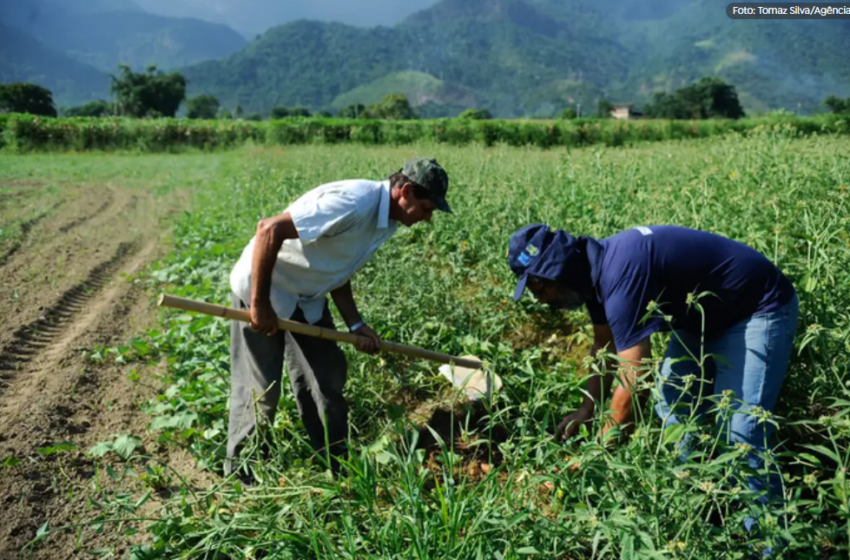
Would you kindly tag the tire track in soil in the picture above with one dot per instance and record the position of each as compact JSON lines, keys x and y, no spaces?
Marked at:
{"x":26,"y":227}
{"x":29,"y":339}
{"x":52,"y":393}
{"x":53,"y":401}
{"x":80,"y":221}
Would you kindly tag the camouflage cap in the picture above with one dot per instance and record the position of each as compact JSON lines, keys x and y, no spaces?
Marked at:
{"x":432,"y":177}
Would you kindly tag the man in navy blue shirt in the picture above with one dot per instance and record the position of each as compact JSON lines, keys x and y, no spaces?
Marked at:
{"x":691,"y":283}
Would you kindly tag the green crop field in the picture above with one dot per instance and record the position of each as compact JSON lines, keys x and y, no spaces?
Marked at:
{"x":431,"y":477}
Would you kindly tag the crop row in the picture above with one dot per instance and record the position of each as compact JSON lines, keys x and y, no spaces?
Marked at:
{"x":26,"y":133}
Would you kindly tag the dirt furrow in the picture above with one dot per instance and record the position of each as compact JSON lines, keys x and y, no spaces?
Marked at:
{"x":26,"y":227}
{"x":64,"y":291}
{"x":28,"y":339}
{"x":80,"y":221}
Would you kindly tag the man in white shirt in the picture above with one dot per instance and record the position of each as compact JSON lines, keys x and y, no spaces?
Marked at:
{"x":293,"y":262}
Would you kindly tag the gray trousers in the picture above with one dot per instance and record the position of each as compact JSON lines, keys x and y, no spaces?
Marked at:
{"x":317,"y":374}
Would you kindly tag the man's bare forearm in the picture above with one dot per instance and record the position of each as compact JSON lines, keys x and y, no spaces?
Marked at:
{"x":627,"y":396}
{"x":599,"y":386}
{"x":271,"y":233}
{"x":622,"y":402}
{"x":344,"y":300}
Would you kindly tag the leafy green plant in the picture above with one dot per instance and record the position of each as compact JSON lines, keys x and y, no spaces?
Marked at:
{"x":123,"y":445}
{"x":25,"y":133}
{"x":431,"y":477}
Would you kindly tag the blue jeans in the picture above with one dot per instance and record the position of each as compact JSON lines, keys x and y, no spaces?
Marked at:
{"x":753,"y":360}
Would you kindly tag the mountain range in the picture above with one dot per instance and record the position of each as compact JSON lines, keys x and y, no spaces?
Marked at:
{"x":513,"y":57}
{"x":77,"y":43}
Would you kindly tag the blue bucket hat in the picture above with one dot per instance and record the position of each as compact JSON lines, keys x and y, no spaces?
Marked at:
{"x":554,"y":255}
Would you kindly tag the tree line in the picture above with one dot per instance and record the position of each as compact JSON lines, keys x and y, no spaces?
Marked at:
{"x":153,"y":94}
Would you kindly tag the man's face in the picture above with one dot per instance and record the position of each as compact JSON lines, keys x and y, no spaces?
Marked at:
{"x":414,"y":210}
{"x":553,"y":294}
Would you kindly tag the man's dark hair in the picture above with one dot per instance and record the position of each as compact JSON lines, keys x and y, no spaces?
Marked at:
{"x":399,"y":179}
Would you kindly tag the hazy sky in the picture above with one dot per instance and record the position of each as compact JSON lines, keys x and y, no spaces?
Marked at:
{"x":254,"y":16}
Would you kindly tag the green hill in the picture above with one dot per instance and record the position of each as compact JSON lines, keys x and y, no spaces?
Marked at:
{"x":25,"y":59}
{"x":772,"y":63}
{"x":515,"y":59}
{"x":512,"y":57}
{"x":419,"y":87}
{"x":300,"y":63}
{"x":97,"y":34}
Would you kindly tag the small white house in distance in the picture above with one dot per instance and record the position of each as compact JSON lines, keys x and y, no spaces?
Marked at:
{"x":625,"y":112}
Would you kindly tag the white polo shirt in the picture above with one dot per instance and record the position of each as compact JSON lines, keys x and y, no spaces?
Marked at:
{"x":340,"y":226}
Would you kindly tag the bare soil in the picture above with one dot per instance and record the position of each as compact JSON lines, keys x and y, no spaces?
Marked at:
{"x":68,"y":286}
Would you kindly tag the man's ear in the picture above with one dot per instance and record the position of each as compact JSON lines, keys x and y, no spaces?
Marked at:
{"x":407,"y":190}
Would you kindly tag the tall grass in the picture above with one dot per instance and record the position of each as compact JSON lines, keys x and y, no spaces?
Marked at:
{"x":431,"y":477}
{"x":24,"y":133}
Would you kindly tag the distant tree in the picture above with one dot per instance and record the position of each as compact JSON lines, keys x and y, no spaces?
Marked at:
{"x":224,"y":114}
{"x":324,"y":115}
{"x":837,"y":105}
{"x":604,"y":108}
{"x":668,"y":106}
{"x":237,"y":113}
{"x":719,"y":99}
{"x":202,"y":107}
{"x":711,"y":97}
{"x":22,"y":97}
{"x":393,"y":106}
{"x":567,"y":114}
{"x":476,"y":114}
{"x":355,"y":111}
{"x":283,"y":112}
{"x":253,"y":117}
{"x":299,"y":112}
{"x":279,"y":113}
{"x":97,"y":108}
{"x":148,"y":94}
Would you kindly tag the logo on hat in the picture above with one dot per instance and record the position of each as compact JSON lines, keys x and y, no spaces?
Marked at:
{"x":530,"y":252}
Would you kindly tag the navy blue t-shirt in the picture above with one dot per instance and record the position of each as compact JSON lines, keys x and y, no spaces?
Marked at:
{"x":664,"y":264}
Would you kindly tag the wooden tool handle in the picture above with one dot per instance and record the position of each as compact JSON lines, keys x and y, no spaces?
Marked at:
{"x":205,"y":308}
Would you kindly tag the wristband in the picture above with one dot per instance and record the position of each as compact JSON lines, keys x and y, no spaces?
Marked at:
{"x":356,"y":326}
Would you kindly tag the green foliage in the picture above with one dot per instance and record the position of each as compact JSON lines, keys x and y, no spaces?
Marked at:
{"x":403,"y":497}
{"x":97,"y":108}
{"x":123,"y":445}
{"x":567,"y":114}
{"x":419,"y":87}
{"x":709,"y":98}
{"x":279,"y":113}
{"x":149,"y":94}
{"x":299,"y":112}
{"x":837,"y":105}
{"x":26,"y":98}
{"x":202,"y":107}
{"x":604,"y":108}
{"x":355,"y":111}
{"x":24,"y":133}
{"x":476,"y":114}
{"x":283,"y":112}
{"x":394,"y":106}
